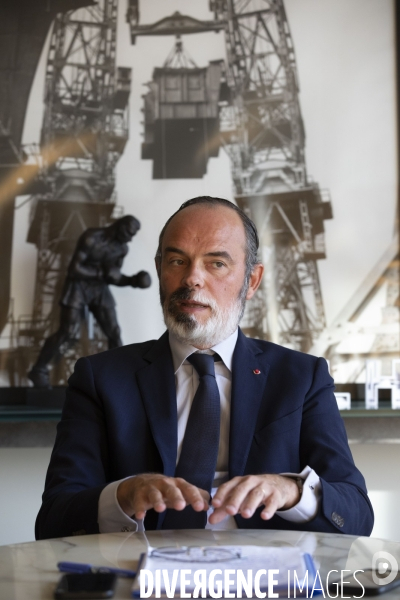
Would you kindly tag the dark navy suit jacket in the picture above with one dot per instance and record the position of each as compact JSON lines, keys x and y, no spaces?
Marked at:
{"x":120,"y":419}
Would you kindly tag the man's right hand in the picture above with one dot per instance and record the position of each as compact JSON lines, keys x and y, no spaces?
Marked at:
{"x":138,"y":494}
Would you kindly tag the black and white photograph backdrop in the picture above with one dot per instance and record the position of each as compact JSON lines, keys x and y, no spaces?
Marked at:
{"x":130,"y":107}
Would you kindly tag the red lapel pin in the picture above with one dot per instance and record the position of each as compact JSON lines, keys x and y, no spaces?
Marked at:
{"x":256,"y":371}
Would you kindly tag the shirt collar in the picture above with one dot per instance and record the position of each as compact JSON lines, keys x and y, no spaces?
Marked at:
{"x":180,"y":350}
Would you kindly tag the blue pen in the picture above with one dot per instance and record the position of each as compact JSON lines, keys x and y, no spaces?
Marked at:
{"x":70,"y":567}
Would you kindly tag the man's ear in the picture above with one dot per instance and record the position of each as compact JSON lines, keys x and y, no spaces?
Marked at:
{"x":157,"y":260}
{"x":255,"y":280}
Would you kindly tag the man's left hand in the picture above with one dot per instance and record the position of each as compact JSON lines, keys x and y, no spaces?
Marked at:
{"x":243,"y":495}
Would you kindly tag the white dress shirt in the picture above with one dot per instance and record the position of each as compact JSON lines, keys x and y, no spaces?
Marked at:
{"x":111,"y":517}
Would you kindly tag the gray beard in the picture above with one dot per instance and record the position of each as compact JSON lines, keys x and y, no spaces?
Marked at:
{"x":219,"y":326}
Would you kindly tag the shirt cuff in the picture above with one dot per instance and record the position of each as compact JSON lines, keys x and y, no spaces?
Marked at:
{"x":111,"y":518}
{"x":308,"y":505}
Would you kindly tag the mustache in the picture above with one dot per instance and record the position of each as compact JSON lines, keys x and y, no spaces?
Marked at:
{"x":180,"y":294}
{"x":184,"y":293}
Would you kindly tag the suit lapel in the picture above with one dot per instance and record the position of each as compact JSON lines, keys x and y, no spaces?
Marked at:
{"x":157,"y":386}
{"x":248,"y":388}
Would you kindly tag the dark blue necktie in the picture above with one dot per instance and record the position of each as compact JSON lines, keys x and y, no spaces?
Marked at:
{"x":198,"y":459}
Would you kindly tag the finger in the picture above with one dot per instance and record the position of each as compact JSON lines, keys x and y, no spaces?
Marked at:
{"x":217,"y":516}
{"x":194,"y":496}
{"x":223,"y":491}
{"x":173,"y":495}
{"x":139,"y":515}
{"x":234,"y":499}
{"x":270,"y":508}
{"x":140,"y":507}
{"x":255,"y":498}
{"x":156,"y":500}
{"x":160,"y":495}
{"x":206,"y":496}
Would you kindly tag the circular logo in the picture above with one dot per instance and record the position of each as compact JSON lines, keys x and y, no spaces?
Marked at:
{"x":384,"y":568}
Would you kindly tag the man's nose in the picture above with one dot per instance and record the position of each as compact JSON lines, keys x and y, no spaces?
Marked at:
{"x":193,"y":276}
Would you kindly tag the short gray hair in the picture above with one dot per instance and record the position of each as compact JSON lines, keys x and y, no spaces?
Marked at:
{"x":252,"y":242}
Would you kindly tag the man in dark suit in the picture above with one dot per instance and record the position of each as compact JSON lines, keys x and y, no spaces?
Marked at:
{"x":282,"y":459}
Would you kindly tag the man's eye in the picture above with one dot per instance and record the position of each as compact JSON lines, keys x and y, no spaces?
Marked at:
{"x":219,"y":264}
{"x":176,"y":261}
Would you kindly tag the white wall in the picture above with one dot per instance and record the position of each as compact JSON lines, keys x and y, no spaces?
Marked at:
{"x":379,"y":463}
{"x":22,"y":473}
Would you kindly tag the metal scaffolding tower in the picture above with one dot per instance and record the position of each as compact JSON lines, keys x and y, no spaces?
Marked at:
{"x":367,"y":327}
{"x":262,"y":131}
{"x":85,"y":129}
{"x":24,"y":28}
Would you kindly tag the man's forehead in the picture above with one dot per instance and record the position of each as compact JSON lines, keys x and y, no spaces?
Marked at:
{"x":206,"y":221}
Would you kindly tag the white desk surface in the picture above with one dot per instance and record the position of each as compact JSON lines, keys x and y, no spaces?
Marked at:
{"x":29,"y":571}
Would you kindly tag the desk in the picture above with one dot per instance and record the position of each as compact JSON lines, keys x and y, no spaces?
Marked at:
{"x":29,"y":571}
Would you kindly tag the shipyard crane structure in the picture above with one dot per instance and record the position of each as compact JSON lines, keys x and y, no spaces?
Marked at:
{"x":25,"y":25}
{"x":84,"y":132}
{"x":258,"y":118}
